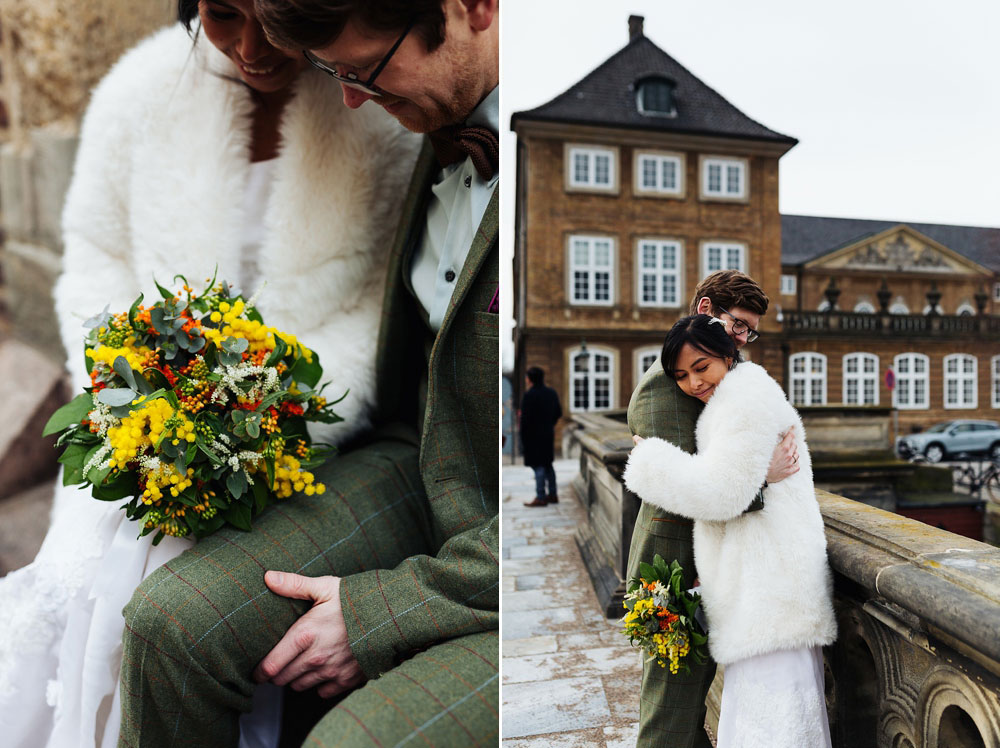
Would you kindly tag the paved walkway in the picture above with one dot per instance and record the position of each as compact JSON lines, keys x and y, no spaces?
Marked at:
{"x":569,"y":677}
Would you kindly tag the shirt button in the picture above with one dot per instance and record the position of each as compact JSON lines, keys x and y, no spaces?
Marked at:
{"x":449,"y":275}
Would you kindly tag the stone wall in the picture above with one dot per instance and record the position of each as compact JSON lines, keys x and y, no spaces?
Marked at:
{"x":52,"y":52}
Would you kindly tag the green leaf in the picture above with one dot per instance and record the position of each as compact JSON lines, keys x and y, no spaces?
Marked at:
{"x":253,"y":427}
{"x":133,"y":311}
{"x":163,"y":292}
{"x":116,"y":397}
{"x":306,"y":372}
{"x":269,"y":466}
{"x":647,"y":572}
{"x":261,"y":495}
{"x":121,"y":487}
{"x":280,"y":348}
{"x":238,"y":515}
{"x":211,"y":283}
{"x":71,"y":414}
{"x":236,"y":483}
{"x":156,"y":378}
{"x":122,"y":369}
{"x":73,"y":458}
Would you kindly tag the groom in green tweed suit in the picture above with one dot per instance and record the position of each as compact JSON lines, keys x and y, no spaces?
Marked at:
{"x":672,"y":707}
{"x":385,"y":589}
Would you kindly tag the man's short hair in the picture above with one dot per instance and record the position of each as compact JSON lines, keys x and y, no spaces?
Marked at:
{"x":536,"y":375}
{"x":729,"y":289}
{"x":313,"y":24}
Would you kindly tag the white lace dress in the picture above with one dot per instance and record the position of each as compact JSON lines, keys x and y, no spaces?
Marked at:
{"x":61,"y":616}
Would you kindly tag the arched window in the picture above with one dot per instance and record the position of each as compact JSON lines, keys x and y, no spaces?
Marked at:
{"x":808,"y":378}
{"x":960,"y":381}
{"x":592,"y":379}
{"x":864,"y":307}
{"x":644,"y":358}
{"x":861,"y":379}
{"x":899,"y":307}
{"x":823,"y":306}
{"x":965,"y":309}
{"x":912,"y":381}
{"x":656,"y":97}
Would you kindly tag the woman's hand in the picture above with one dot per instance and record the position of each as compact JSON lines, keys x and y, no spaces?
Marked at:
{"x":636,"y":439}
{"x":785,"y":459}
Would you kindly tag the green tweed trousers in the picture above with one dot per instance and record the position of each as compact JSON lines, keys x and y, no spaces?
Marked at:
{"x":671,"y":707}
{"x":196,"y":628}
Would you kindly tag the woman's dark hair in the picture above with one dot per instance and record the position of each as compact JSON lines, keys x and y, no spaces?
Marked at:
{"x":703,"y":332}
{"x":311,"y":24}
{"x":187,"y":11}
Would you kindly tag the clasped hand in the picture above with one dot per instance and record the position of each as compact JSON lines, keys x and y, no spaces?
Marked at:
{"x":314,"y":651}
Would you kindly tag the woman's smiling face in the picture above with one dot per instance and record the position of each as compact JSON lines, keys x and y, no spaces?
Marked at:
{"x":232,"y":26}
{"x":698,"y":373}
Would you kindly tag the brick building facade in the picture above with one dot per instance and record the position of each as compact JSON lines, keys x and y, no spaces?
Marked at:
{"x":639,"y":180}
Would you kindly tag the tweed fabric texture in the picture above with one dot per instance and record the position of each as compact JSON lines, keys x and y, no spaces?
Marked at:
{"x":443,"y":696}
{"x":409,"y":522}
{"x":671,"y":707}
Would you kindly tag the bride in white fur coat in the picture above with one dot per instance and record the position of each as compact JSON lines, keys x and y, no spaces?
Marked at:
{"x":765,"y":582}
{"x":218,"y":152}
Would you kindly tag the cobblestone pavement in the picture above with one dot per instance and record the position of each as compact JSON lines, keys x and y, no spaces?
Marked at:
{"x":569,"y":677}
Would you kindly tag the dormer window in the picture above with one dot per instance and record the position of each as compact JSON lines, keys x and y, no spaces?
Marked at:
{"x":656,"y":97}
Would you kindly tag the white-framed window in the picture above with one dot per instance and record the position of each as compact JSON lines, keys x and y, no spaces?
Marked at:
{"x":864,"y":307}
{"x":996,"y":292}
{"x":658,"y":173}
{"x":912,"y":390}
{"x":644,"y":358}
{"x":591,"y":168}
{"x":592,"y":379}
{"x":724,"y":177}
{"x":591,"y":270}
{"x":899,"y":307}
{"x":788,"y":285}
{"x":807,"y":382}
{"x":995,"y":382}
{"x":960,"y":381}
{"x":723,"y":256}
{"x":861,"y":379}
{"x":655,"y":96}
{"x":965,"y":309}
{"x":658,"y":275}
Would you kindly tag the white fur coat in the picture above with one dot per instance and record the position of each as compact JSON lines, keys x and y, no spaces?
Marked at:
{"x":158,"y":190}
{"x":766,"y":584}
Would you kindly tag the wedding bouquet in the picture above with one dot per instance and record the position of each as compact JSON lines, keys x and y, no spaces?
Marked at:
{"x":661,"y":617}
{"x":196,"y":415}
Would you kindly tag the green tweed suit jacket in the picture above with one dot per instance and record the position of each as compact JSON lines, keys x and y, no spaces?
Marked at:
{"x":449,"y":401}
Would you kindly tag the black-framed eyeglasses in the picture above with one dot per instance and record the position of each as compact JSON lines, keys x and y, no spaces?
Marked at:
{"x":739,"y":326}
{"x":351,"y":79}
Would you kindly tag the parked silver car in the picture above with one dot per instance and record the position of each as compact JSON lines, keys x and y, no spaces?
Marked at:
{"x":952,"y":438}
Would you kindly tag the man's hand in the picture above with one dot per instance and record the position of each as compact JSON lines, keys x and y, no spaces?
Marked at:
{"x":785,"y":460}
{"x":314,"y":651}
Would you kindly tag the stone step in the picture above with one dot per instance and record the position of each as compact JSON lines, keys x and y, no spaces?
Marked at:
{"x":34,"y":388}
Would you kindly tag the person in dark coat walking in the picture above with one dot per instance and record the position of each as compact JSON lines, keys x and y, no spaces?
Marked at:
{"x":540,"y":410}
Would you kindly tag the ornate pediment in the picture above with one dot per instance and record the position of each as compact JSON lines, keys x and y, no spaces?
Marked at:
{"x":899,"y":249}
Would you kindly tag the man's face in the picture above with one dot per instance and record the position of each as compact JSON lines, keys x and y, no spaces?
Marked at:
{"x":738,"y":318}
{"x":732,"y":318}
{"x":422,"y":90}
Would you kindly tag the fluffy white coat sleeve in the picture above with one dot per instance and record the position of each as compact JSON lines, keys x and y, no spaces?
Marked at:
{"x":720,"y":481}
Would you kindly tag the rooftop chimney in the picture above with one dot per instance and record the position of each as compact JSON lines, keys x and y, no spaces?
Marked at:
{"x":634,"y":27}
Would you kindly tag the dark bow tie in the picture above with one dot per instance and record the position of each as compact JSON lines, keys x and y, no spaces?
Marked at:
{"x":452,"y":144}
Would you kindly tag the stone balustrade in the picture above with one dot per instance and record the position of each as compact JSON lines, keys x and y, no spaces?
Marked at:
{"x":917,"y":659}
{"x":811,"y":324}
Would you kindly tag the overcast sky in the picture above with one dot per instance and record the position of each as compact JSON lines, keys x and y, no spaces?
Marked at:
{"x":896,"y":105}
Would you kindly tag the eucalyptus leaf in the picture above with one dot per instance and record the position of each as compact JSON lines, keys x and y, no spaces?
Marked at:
{"x":253,"y":428}
{"x":156,"y":317}
{"x":118,"y":396}
{"x":235,"y":345}
{"x":236,"y":483}
{"x":124,"y":370}
{"x":99,"y":320}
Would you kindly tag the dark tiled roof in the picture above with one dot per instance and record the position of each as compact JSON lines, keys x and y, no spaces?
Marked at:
{"x":607,"y":97}
{"x":804,"y":238}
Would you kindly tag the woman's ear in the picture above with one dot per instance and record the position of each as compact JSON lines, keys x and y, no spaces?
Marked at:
{"x":730,"y":363}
